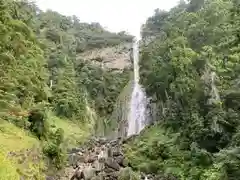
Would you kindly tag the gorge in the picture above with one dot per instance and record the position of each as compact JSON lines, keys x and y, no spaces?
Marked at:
{"x":74,"y":105}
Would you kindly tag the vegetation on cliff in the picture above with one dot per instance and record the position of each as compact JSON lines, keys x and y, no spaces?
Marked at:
{"x":190,"y":67}
{"x":49,"y":99}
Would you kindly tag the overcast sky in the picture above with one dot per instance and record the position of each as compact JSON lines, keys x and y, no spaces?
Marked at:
{"x":115,"y":15}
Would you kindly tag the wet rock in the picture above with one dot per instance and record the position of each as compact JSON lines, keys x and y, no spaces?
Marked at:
{"x":75,"y":150}
{"x":102,"y":141}
{"x":97,"y":150}
{"x":80,"y":153}
{"x":117,"y":152}
{"x":108,"y":145}
{"x":73,"y":159}
{"x":89,"y":172}
{"x":114,"y":143}
{"x":90,"y":158}
{"x":120,"y":160}
{"x":114,"y":174}
{"x":149,"y":176}
{"x":110,"y":162}
{"x":100,"y":159}
{"x":81,"y":158}
{"x":103,"y":155}
{"x":109,"y":170}
{"x":100,"y":176}
{"x":125,"y":163}
{"x":96,"y":178}
{"x":142,"y":176}
{"x":48,"y":178}
{"x":109,"y":152}
{"x":98,"y":166}
{"x":78,"y":175}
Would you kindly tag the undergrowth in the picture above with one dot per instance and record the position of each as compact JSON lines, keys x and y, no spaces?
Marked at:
{"x":18,"y":149}
{"x":162,"y":152}
{"x":22,"y":151}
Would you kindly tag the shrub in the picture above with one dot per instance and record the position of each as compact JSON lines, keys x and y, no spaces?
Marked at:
{"x":38,"y":126}
{"x":53,"y":148}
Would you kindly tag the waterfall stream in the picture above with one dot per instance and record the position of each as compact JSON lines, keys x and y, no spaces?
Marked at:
{"x":214,"y":92}
{"x":137,"y":117}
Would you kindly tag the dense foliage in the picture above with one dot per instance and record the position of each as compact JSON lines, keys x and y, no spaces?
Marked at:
{"x":38,"y":52}
{"x":190,"y":66}
{"x":40,"y":71}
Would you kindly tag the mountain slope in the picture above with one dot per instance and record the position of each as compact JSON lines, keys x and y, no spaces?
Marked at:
{"x":47,"y":95}
{"x":190,"y":66}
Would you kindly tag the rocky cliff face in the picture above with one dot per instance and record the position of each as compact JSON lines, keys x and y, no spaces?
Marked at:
{"x":121,"y":111}
{"x":114,"y":57}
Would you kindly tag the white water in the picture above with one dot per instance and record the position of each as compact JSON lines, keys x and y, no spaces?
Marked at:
{"x":214,"y":93}
{"x":137,"y":117}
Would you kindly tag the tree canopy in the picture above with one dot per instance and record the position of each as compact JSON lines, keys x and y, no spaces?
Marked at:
{"x":39,"y":61}
{"x":190,"y":66}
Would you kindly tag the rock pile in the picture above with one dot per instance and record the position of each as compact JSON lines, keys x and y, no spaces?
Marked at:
{"x":102,"y":159}
{"x":99,"y":160}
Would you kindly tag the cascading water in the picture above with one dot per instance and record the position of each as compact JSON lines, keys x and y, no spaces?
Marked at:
{"x":137,"y":116}
{"x":214,"y":93}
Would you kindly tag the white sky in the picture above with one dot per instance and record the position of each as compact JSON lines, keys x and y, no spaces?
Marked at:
{"x":115,"y":15}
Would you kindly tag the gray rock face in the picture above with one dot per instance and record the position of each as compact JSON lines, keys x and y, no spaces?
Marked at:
{"x":115,"y":58}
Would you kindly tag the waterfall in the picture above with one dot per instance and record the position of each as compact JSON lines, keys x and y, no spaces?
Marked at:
{"x":137,"y":117}
{"x":214,"y":92}
{"x":215,"y":99}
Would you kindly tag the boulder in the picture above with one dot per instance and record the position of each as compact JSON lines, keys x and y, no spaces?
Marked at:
{"x":101,"y":159}
{"x":89,"y":172}
{"x":78,"y":175}
{"x":102,"y":156}
{"x":117,"y":152}
{"x":98,"y":166}
{"x":114,"y":174}
{"x":120,"y":161}
{"x":102,"y":141}
{"x":73,"y":159}
{"x":90,"y":158}
{"x":111,"y":163}
{"x":108,"y":170}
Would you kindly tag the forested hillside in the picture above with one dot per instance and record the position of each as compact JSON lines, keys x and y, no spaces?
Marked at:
{"x":47,"y":93}
{"x":190,"y":68}
{"x":51,"y":98}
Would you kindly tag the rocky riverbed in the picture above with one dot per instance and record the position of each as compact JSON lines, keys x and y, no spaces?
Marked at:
{"x":98,"y":159}
{"x":101,"y":159}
